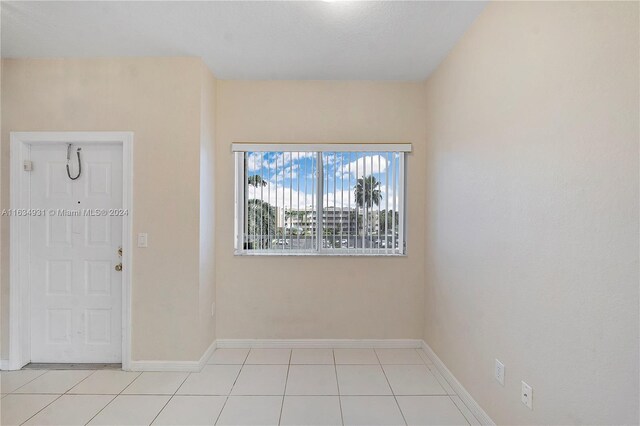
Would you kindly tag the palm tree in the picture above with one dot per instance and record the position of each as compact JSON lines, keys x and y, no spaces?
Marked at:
{"x":367,"y":194}
{"x":256,"y":181}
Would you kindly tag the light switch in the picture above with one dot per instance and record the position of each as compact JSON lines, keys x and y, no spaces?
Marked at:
{"x":142,"y":239}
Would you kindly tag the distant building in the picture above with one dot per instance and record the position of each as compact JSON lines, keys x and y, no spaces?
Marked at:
{"x":280,"y":213}
{"x":334,"y":220}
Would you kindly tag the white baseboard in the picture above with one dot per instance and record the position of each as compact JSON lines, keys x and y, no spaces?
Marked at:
{"x":319,"y":343}
{"x":157,"y":365}
{"x":271,"y":343}
{"x":174,"y":365}
{"x":465,"y":396}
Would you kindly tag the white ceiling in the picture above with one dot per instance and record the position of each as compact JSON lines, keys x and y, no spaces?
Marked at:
{"x":341,"y":40}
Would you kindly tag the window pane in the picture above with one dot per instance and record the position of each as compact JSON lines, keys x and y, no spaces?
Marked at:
{"x":327,"y":203}
{"x":280,"y":193}
{"x":359,"y":191}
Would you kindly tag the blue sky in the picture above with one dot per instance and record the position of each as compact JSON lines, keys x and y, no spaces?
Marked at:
{"x":297,"y":170}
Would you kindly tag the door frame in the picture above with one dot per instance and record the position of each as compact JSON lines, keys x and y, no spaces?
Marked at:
{"x":20,"y":194}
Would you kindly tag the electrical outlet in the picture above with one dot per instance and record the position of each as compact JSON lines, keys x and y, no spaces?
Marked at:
{"x":527,"y":395}
{"x":499,"y":372}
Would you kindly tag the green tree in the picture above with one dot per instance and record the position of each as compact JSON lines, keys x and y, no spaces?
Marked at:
{"x":261,"y":218}
{"x":388,"y":220}
{"x":261,"y":221}
{"x":367,"y":194}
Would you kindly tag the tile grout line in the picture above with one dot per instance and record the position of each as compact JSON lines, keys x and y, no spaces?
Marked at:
{"x":24,"y":384}
{"x":232,"y":385}
{"x":170,"y":398}
{"x":465,"y":406}
{"x":450,"y":397}
{"x":285,"y":386}
{"x":243,"y":395}
{"x":456,"y":405}
{"x":36,"y":413}
{"x":100,"y":410}
{"x":136,"y":378}
{"x":437,"y":373}
{"x":445,"y":379}
{"x":395,"y":398}
{"x":297,"y":396}
{"x":59,"y":395}
{"x":113,"y":399}
{"x":335,"y":368}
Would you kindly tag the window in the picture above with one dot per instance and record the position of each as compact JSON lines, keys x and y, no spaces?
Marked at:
{"x":322,"y":199}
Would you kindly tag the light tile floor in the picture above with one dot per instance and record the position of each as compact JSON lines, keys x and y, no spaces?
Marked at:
{"x":244,"y":387}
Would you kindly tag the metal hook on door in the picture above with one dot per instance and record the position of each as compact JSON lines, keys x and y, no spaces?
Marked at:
{"x":69,"y":160}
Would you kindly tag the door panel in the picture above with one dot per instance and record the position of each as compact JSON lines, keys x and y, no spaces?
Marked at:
{"x":76,"y":293}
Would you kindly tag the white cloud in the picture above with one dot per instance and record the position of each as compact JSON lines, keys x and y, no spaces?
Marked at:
{"x":259,"y":160}
{"x":287,"y":173}
{"x":339,"y":169}
{"x":388,"y":196}
{"x":283,"y":159}
{"x":366,"y":165}
{"x":281,"y":196}
{"x":255,"y":161}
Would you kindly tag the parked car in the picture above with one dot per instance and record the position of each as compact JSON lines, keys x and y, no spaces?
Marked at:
{"x":281,"y":241}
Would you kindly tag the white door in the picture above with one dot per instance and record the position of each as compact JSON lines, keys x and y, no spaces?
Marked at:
{"x":75,"y":287}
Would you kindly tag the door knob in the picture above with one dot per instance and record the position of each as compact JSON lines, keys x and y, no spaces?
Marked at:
{"x":119,"y":267}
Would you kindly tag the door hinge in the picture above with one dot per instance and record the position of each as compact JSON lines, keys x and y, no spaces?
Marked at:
{"x":27,"y":166}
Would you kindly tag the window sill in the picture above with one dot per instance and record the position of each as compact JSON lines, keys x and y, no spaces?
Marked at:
{"x":317,"y":254}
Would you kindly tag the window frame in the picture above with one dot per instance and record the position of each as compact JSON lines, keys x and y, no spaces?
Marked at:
{"x":241,"y":204}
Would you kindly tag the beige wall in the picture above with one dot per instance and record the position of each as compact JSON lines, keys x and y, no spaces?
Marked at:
{"x":319,"y":297}
{"x":532,"y":219}
{"x":4,"y":273}
{"x":160,"y":100}
{"x":207,"y":208}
